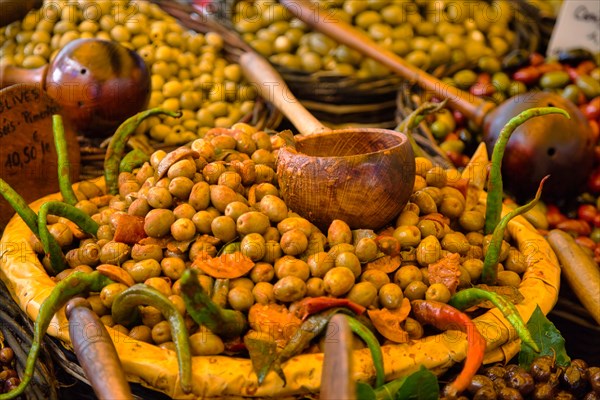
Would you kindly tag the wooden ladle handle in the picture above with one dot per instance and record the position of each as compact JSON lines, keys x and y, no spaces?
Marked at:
{"x":272,"y":87}
{"x":471,"y":106}
{"x":96,"y":352}
{"x":11,"y":75}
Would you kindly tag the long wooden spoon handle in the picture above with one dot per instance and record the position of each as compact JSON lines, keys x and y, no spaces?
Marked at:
{"x":336,"y":378}
{"x":273,"y":88}
{"x":11,"y":75}
{"x":96,"y":352}
{"x":471,"y":106}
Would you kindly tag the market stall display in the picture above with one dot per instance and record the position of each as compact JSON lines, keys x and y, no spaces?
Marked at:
{"x":213,"y":283}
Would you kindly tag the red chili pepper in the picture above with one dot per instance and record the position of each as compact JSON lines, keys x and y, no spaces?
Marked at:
{"x":587,"y":212}
{"x":536,"y":59}
{"x":575,"y":226}
{"x":483,"y":86}
{"x":443,"y":317}
{"x":591,"y":110}
{"x":554,"y":215}
{"x":596,"y":221}
{"x":312,"y":305}
{"x":573,"y":73}
{"x":593,"y":183}
{"x":586,"y":67}
{"x":549,"y":67}
{"x":527,"y":75}
{"x":586,"y":241}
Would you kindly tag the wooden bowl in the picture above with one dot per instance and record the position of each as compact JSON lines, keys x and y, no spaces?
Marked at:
{"x":363,"y":176}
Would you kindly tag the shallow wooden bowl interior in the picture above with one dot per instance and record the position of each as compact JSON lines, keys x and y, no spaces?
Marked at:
{"x":363,"y":176}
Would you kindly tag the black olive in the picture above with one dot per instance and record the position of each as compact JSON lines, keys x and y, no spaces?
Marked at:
{"x":521,"y":381}
{"x":495,"y":372}
{"x":543,"y":391}
{"x":541,"y":368}
{"x":485,"y":393}
{"x":594,"y":378}
{"x":574,"y":56}
{"x":507,"y":393}
{"x":478,"y":382}
{"x":574,"y":381}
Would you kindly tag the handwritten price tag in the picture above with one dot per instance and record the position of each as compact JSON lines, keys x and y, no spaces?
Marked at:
{"x":28,"y":159}
{"x":577,"y":27}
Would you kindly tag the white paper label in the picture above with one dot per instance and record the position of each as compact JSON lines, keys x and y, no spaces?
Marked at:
{"x":577,"y":26}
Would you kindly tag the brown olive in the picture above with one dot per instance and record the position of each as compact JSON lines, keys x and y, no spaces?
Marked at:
{"x":142,"y":333}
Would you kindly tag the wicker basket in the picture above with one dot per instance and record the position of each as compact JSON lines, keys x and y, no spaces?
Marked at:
{"x":339,"y":100}
{"x":264,"y":116}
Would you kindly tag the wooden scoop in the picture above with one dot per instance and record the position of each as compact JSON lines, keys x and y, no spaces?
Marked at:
{"x":96,"y":352}
{"x":337,"y":381}
{"x":539,"y":147}
{"x":363,"y":176}
{"x":99,"y":84}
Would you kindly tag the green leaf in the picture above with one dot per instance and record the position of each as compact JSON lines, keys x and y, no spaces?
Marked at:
{"x":549,"y":339}
{"x":364,"y":391}
{"x":262,"y":354}
{"x":420,"y":385}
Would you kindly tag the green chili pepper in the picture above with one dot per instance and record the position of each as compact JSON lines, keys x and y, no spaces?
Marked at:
{"x":472,"y":296}
{"x":125,"y":311}
{"x":116,"y":147}
{"x":413,"y":120}
{"x":64,"y":168}
{"x":312,"y":327}
{"x":490,"y":269}
{"x":220,"y":291}
{"x":373,"y":344}
{"x":132,"y":160}
{"x":75,"y":284}
{"x":203,"y":310}
{"x":51,"y":247}
{"x":20,"y":206}
{"x":495,"y":187}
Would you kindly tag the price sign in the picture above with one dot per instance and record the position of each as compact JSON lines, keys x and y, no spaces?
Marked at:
{"x":577,"y":27}
{"x":28,"y":160}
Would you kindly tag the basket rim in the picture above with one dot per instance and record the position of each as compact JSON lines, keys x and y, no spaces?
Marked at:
{"x":157,"y":369}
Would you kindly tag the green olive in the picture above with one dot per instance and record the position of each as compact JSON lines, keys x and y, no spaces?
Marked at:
{"x":263,"y":293}
{"x":390,"y":296}
{"x":289,"y":288}
{"x":114,"y":253}
{"x":406,"y":274}
{"x":366,"y":249}
{"x":157,"y":222}
{"x":142,"y":333}
{"x":262,"y":272}
{"x":224,"y":228}
{"x":252,"y":222}
{"x":377,"y":277}
{"x":438,"y":292}
{"x":144,"y":269}
{"x":161,"y":332}
{"x":472,"y":220}
{"x":339,"y":232}
{"x":413,"y":328}
{"x":294,"y":242}
{"x":349,"y":260}
{"x":172,"y":267}
{"x":338,"y":281}
{"x":206,"y":343}
{"x":319,"y":263}
{"x":455,"y":242}
{"x":428,"y":251}
{"x":315,"y":287}
{"x":183,"y":229}
{"x":474,"y":267}
{"x":253,"y":246}
{"x":240,"y":298}
{"x":509,"y":278}
{"x":289,"y":265}
{"x":363,"y":293}
{"x":415,"y":290}
{"x":109,"y":292}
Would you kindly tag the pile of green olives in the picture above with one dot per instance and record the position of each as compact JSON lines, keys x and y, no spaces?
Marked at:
{"x":189,"y":71}
{"x":226,"y":200}
{"x":427,"y":34}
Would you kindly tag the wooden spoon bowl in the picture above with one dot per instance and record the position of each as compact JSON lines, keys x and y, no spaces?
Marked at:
{"x":363,"y":176}
{"x":358,"y":175}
